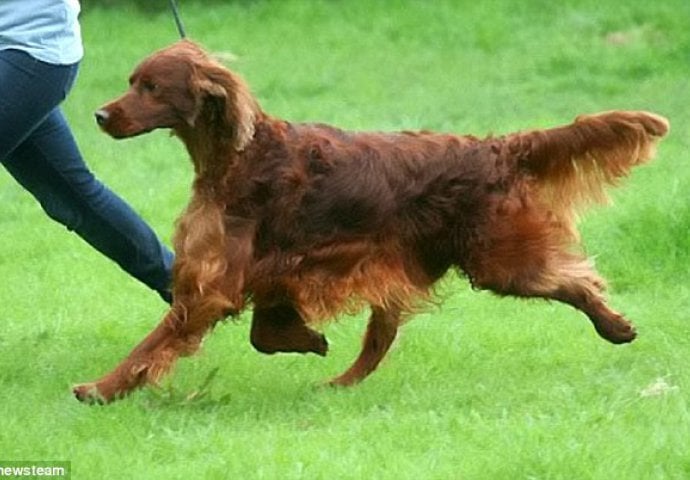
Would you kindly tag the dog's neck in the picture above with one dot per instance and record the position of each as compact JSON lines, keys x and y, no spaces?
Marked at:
{"x":210,"y":154}
{"x":214,"y":145}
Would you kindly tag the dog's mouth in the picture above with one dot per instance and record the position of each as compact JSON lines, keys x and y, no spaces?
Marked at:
{"x":121,"y":135}
{"x":116,"y":128}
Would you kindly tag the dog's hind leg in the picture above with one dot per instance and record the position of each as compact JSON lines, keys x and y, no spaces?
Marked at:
{"x":554,"y":275}
{"x":381,"y":331}
{"x":282,"y":329}
{"x":579,"y":286}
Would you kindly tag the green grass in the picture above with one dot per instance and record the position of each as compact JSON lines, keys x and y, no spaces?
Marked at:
{"x":480,"y":388}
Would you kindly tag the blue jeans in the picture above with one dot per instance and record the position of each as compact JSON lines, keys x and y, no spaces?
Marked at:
{"x":38,"y":149}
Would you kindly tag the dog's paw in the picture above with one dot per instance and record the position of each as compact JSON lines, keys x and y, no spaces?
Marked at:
{"x":89,"y":394}
{"x":617,"y":332}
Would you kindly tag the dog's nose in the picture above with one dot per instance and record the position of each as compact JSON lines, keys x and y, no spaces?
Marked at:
{"x":101,"y":117}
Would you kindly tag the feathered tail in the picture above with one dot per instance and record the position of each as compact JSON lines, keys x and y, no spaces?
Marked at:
{"x":573,"y":164}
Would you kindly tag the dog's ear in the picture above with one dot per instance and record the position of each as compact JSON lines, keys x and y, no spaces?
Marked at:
{"x":209,"y":88}
{"x":225,"y":98}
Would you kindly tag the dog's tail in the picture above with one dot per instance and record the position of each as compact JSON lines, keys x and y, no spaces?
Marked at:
{"x":573,"y":164}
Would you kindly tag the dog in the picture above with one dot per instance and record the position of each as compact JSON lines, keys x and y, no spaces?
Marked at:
{"x":306,"y":221}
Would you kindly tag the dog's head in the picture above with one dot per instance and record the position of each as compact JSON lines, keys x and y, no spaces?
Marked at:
{"x":182,"y":88}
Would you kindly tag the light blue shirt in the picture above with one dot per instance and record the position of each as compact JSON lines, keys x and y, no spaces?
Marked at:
{"x":48,"y":30}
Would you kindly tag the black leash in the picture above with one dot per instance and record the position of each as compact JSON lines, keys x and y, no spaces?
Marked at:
{"x":178,"y":21}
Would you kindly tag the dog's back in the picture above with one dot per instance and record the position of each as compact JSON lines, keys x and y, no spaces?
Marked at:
{"x":334,"y":184}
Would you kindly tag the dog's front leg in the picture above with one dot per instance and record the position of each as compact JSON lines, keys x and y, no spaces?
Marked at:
{"x":178,"y":334}
{"x":213,"y":254}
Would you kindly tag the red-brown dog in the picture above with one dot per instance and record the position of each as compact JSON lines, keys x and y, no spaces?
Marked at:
{"x":305,"y":220}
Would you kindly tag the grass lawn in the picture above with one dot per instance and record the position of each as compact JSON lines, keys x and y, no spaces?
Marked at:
{"x":479,"y":388}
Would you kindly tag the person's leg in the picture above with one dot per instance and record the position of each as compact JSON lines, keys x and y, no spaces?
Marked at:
{"x":47,"y":162}
{"x":29,"y":91}
{"x":48,"y":165}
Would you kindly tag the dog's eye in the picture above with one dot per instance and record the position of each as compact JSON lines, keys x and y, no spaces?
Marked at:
{"x":149,"y":86}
